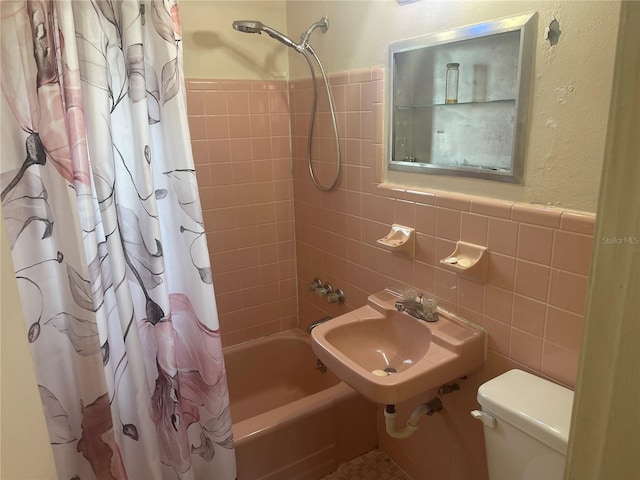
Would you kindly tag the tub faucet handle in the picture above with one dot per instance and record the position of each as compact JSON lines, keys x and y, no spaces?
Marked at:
{"x":324,"y":291}
{"x":336,"y":297}
{"x":313,"y":286}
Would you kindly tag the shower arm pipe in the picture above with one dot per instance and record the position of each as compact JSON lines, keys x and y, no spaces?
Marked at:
{"x":313,"y":116}
{"x":323,"y":25}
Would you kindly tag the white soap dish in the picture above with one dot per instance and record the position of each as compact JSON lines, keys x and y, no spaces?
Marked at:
{"x":400,"y":239}
{"x":468,"y":260}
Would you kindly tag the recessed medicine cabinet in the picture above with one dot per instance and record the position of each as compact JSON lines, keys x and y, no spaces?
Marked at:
{"x":458,"y":100}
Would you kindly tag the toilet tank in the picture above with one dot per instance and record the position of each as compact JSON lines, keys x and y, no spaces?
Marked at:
{"x":526,"y":426}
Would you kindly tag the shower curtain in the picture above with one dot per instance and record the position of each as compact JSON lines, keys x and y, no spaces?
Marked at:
{"x":101,"y":205}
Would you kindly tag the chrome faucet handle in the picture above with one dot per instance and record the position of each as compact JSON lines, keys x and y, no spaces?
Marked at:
{"x":409,"y":294}
{"x":317,"y":283}
{"x":336,"y":297}
{"x":431,"y":305}
{"x":321,"y":292}
{"x":431,"y":310}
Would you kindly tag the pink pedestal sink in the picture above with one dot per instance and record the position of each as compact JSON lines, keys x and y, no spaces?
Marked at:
{"x":362,"y":346}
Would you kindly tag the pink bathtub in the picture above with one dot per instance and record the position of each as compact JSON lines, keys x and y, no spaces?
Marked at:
{"x":291,"y":421}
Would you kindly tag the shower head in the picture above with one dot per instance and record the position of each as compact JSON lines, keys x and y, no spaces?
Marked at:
{"x":254,"y":26}
{"x":248,"y":26}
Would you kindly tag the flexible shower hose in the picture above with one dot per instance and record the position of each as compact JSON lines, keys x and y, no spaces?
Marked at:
{"x":312,"y":121}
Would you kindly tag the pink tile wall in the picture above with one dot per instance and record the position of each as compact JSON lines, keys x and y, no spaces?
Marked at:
{"x":531,"y":305}
{"x":241,"y":147}
{"x":538,"y":257}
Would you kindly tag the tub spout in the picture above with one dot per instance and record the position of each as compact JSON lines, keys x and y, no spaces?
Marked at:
{"x":318,"y":322}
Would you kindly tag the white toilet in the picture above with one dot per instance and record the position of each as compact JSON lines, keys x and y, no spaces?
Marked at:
{"x":526,"y":426}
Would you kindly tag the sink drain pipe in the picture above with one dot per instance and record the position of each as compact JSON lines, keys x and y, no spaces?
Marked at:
{"x":432,"y":406}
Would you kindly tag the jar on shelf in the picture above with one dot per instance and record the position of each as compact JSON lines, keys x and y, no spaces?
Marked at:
{"x":453,"y":74}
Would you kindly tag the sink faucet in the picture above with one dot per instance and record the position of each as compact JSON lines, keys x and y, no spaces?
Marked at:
{"x":418,"y":309}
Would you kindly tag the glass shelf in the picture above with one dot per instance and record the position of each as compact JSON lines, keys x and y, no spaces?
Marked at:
{"x":431,"y":105}
{"x":483,"y":134}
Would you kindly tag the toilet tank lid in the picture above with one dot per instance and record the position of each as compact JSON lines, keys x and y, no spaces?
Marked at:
{"x":532,"y":404}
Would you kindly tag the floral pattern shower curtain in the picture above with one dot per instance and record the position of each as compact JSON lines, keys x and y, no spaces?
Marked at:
{"x":102,"y":210}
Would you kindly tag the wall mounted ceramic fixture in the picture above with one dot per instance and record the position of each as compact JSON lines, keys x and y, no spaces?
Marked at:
{"x":400,"y":239}
{"x":468,"y":260}
{"x":389,"y":356}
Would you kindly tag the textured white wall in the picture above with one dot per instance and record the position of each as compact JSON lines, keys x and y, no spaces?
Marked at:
{"x":571,"y":88}
{"x":214,"y":50}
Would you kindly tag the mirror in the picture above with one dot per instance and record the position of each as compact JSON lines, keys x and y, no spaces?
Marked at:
{"x":459,"y":100}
